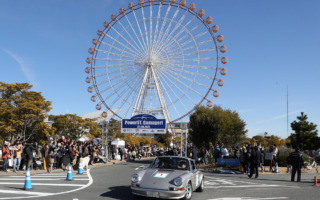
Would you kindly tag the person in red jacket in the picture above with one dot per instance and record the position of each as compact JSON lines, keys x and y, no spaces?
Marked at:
{"x":5,"y":155}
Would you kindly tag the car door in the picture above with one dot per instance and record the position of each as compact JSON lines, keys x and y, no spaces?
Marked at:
{"x":194,"y":175}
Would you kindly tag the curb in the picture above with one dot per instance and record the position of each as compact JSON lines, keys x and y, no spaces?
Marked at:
{"x":43,"y":171}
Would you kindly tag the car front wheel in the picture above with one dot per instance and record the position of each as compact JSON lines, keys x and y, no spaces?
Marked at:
{"x":189,"y":190}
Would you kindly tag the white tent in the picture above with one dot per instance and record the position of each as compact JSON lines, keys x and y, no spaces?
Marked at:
{"x":118,"y":144}
{"x":84,"y":138}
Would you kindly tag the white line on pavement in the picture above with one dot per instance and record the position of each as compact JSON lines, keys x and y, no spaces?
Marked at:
{"x":51,"y":194}
{"x":249,"y":198}
{"x":25,"y":192}
{"x":250,"y":186}
{"x":45,"y":176}
{"x":45,"y":184}
{"x":42,"y":179}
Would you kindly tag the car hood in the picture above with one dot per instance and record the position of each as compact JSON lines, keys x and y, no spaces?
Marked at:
{"x":159,"y":178}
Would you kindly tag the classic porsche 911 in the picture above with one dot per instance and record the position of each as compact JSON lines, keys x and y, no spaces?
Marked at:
{"x":168,"y":177}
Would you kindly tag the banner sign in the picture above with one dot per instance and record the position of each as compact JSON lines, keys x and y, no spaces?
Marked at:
{"x":143,"y":123}
{"x":268,"y":156}
{"x":228,"y":162}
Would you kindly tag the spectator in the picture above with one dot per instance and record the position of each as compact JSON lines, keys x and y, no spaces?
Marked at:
{"x":224,"y":153}
{"x":205,"y":154}
{"x":195,"y":155}
{"x":17,"y":156}
{"x":60,"y":154}
{"x":5,"y":156}
{"x":125,"y":153}
{"x":28,"y":150}
{"x":247,"y":155}
{"x":262,"y":159}
{"x":120,"y":153}
{"x":134,"y":154}
{"x":255,"y":161}
{"x":216,"y":152}
{"x":275,"y":153}
{"x":296,"y":159}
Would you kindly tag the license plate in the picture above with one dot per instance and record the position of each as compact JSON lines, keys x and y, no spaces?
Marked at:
{"x":153,"y":194}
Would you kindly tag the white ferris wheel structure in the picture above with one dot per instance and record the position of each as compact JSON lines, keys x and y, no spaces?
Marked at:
{"x":157,"y":57}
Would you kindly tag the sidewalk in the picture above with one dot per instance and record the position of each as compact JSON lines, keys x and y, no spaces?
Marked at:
{"x":21,"y":172}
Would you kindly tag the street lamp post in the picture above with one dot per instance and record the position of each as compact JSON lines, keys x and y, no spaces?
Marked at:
{"x":265,"y":134}
{"x":48,"y":122}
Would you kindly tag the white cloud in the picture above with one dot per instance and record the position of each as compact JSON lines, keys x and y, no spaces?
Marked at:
{"x":279,"y":117}
{"x":24,"y":66}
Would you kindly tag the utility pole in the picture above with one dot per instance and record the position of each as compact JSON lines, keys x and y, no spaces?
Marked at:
{"x":287,"y":112}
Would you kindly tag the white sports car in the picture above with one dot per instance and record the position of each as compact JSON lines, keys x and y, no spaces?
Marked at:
{"x":168,"y":177}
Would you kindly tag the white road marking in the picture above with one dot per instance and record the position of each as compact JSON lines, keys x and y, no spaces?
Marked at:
{"x":25,"y":192}
{"x":249,"y":198}
{"x":215,"y":183}
{"x":250,"y":186}
{"x":46,"y":184}
{"x":42,"y":179}
{"x":45,"y":176}
{"x":48,"y":194}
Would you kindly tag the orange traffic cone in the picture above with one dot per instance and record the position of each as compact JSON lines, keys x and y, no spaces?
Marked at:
{"x":315,"y":181}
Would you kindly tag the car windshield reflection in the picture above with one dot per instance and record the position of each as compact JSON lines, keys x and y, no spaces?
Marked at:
{"x":170,"y":163}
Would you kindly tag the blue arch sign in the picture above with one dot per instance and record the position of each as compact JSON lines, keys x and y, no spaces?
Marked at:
{"x":143,"y":123}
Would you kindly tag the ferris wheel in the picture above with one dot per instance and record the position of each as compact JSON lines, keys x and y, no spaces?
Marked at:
{"x":158,"y":57}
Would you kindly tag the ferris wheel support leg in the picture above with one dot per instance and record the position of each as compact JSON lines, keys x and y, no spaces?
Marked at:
{"x":143,"y":84}
{"x":160,"y":93}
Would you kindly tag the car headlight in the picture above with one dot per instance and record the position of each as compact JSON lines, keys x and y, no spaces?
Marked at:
{"x":135,"y":178}
{"x":177,"y":181}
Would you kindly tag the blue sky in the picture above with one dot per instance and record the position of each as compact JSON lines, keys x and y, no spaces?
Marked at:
{"x":271,"y":44}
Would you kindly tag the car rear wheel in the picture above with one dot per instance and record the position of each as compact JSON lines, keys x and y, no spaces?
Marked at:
{"x":188,"y":194}
{"x":201,"y":187}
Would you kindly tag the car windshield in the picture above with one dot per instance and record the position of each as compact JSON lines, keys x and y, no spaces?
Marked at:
{"x":170,"y":163}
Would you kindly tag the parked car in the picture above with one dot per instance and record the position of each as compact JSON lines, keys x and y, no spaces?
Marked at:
{"x":168,"y":177}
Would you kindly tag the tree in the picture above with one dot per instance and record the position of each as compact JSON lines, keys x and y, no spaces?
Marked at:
{"x":266,"y":141}
{"x":165,"y":139}
{"x":216,"y":125}
{"x":22,"y":111}
{"x":74,"y":127}
{"x":305,"y":134}
{"x":114,"y":130}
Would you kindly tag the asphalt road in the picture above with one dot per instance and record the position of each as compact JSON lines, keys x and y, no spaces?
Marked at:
{"x":112,"y":182}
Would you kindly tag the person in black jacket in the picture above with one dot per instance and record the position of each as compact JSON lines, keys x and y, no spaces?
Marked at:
{"x":195,"y":155}
{"x":296,"y":160}
{"x":255,"y":161}
{"x":29,"y":148}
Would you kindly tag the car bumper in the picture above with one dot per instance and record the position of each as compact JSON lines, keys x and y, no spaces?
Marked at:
{"x":162,"y":194}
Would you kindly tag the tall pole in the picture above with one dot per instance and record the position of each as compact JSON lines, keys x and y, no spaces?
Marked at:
{"x":181,"y":139}
{"x":186,"y":152}
{"x":287,"y":112}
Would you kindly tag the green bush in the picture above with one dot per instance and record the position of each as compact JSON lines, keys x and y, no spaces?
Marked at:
{"x":284,"y":153}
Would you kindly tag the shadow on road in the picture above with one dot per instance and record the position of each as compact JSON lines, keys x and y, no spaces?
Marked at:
{"x":120,"y":192}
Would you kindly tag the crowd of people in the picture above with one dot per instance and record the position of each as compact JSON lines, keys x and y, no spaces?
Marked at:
{"x":53,"y":155}
{"x":59,"y":154}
